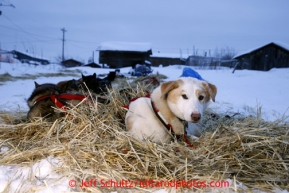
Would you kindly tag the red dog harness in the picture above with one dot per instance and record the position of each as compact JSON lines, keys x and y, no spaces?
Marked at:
{"x":55,"y":98}
{"x":163,"y":121}
{"x":169,"y":126}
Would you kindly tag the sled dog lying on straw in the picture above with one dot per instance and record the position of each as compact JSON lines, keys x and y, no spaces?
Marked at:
{"x":46,"y":96}
{"x":165,"y":113}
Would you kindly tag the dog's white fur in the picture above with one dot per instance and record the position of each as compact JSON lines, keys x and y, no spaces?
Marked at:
{"x":184,"y":98}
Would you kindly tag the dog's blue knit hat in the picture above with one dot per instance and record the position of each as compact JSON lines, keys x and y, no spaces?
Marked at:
{"x":188,"y":72}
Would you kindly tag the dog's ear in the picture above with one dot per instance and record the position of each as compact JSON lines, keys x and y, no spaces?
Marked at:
{"x":36,"y":84}
{"x":211,"y":89}
{"x":167,"y":87}
{"x":94,"y":75}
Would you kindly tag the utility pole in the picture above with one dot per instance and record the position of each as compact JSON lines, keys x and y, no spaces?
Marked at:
{"x":93,"y":56}
{"x":63,"y":39}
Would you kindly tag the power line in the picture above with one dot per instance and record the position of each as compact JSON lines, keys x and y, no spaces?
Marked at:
{"x":82,"y":41}
{"x":20,"y":27}
{"x":8,"y":5}
{"x":51,"y":38}
{"x":79,"y":46}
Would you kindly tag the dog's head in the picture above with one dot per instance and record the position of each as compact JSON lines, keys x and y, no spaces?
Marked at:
{"x":69,"y":85}
{"x":40,"y":90}
{"x":46,"y":89}
{"x":99,"y":86}
{"x":187,"y":98}
{"x":88,"y":78}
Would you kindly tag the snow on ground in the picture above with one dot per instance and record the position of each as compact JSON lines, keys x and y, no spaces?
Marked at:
{"x":240,"y":92}
{"x":244,"y":90}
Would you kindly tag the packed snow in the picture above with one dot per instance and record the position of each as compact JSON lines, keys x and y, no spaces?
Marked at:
{"x":241,"y":92}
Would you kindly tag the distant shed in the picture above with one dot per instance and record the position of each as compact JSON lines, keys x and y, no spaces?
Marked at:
{"x":166,"y":59}
{"x":71,"y":63}
{"x":124,"y":54}
{"x":272,"y":55}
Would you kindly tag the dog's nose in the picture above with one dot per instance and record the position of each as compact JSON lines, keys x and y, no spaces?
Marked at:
{"x":195,"y":117}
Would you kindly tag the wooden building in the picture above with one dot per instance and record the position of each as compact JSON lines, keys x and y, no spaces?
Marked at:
{"x":272,"y":55}
{"x":71,"y":63}
{"x":124,"y":54}
{"x":28,"y":58}
{"x":166,"y":59}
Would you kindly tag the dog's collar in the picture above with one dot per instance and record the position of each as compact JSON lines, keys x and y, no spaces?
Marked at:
{"x":55,"y":98}
{"x":163,"y":121}
{"x":133,"y":99}
{"x":168,"y":126}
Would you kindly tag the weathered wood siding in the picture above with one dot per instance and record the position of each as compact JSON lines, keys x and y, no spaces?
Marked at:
{"x":118,"y":59}
{"x":265,"y":58}
{"x":156,"y":61}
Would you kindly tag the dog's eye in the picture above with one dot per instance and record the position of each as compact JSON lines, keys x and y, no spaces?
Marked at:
{"x":185,"y":96}
{"x":201,"y":97}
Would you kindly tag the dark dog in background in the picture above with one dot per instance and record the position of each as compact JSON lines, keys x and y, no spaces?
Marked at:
{"x":97,"y":85}
{"x":70,"y":86}
{"x":111,"y":76}
{"x":87,"y":79}
{"x":42,"y":108}
{"x":44,"y":96}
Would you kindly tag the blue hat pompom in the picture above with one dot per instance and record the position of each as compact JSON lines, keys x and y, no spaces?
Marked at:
{"x":188,"y":72}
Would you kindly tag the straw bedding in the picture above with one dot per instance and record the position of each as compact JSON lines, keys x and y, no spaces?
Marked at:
{"x":93,"y":143}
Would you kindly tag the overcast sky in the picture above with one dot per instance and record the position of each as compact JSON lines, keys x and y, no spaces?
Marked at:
{"x":169,"y":25}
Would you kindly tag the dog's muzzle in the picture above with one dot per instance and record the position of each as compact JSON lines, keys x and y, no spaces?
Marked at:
{"x":196,"y":117}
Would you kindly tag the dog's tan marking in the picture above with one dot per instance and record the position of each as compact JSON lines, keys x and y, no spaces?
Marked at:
{"x":167,"y":87}
{"x":203,"y":93}
{"x":173,"y":95}
{"x":211,"y":89}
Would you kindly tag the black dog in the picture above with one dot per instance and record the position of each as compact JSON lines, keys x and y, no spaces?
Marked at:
{"x":111,"y":76}
{"x":96,"y":85}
